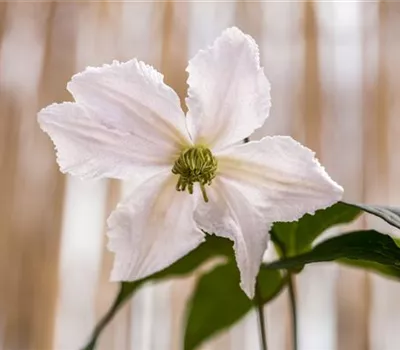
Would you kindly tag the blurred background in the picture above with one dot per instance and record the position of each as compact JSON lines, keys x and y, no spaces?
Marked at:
{"x":335,"y":74}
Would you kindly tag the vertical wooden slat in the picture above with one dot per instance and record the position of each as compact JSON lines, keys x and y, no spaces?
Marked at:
{"x":312,"y":99}
{"x":353,"y":315}
{"x":8,"y":162}
{"x":376,"y":113}
{"x":393,"y":98}
{"x":249,"y":18}
{"x":174,"y":56}
{"x":9,"y":253}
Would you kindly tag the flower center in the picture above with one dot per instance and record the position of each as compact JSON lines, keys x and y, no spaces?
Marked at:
{"x":195,"y":164}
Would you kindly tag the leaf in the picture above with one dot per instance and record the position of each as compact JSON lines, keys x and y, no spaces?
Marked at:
{"x":390,"y":214}
{"x":296,"y":237}
{"x":218,"y":301}
{"x":369,"y":246}
{"x":387,"y":271}
{"x":212,"y":247}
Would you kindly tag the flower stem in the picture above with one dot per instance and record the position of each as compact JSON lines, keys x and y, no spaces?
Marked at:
{"x":261,"y":319}
{"x":292,"y":292}
{"x":293,"y":309}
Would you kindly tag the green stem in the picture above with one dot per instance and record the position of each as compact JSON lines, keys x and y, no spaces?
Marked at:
{"x":261,"y":319}
{"x":292,"y":292}
{"x":126,"y":290}
{"x":293,"y":309}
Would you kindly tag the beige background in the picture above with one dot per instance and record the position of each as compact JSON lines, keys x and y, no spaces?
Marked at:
{"x":334,"y":69}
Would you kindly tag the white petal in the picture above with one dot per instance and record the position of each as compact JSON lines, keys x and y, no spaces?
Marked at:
{"x":132,"y":98}
{"x":290,"y":179}
{"x":229,"y":95}
{"x":152,"y":229}
{"x":232,"y":213}
{"x":88,"y":149}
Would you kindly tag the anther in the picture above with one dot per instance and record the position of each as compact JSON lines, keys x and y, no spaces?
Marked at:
{"x":195,"y":164}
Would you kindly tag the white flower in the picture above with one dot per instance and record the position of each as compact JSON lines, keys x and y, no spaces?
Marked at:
{"x":126,"y":123}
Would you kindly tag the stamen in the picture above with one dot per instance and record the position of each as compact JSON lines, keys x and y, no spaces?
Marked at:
{"x":203,"y":191}
{"x":195,"y":164}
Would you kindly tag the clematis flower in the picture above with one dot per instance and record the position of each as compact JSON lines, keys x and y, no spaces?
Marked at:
{"x":193,"y":172}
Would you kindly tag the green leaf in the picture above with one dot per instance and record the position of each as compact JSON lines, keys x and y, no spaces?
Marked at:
{"x":386,"y":270}
{"x":390,"y":214}
{"x":213,"y":246}
{"x":370,"y":246}
{"x":296,"y":237}
{"x":218,"y":301}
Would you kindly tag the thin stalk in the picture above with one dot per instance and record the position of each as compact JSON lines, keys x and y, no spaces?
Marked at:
{"x":261,"y":319}
{"x":293,"y":309}
{"x":291,"y":287}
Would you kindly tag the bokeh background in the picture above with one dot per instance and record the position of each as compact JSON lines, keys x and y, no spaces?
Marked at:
{"x":335,"y":74}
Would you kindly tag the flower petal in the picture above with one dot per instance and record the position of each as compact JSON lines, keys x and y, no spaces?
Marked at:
{"x":229,"y":95}
{"x":132,"y":97}
{"x":88,"y":149}
{"x":291,"y":180}
{"x":152,"y":228}
{"x":233,"y":212}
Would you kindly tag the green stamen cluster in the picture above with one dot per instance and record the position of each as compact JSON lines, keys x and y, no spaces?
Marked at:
{"x":195,"y":164}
